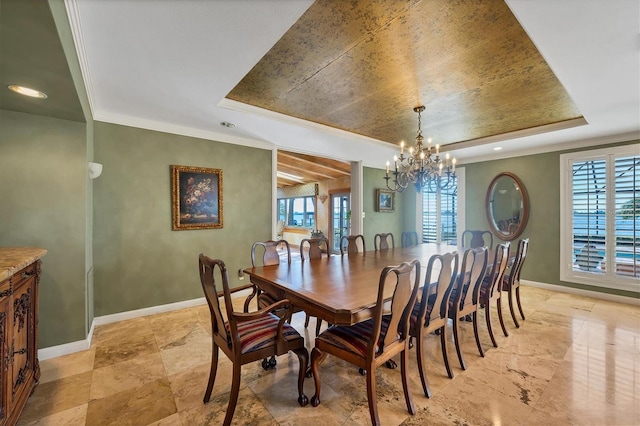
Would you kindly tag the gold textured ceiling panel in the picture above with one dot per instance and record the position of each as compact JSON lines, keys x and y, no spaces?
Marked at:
{"x":362,"y":66}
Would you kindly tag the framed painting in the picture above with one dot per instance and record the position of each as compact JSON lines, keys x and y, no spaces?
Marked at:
{"x":385,"y":201}
{"x":196,"y":198}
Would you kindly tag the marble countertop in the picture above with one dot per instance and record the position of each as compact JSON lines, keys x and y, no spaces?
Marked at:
{"x":13,"y":259}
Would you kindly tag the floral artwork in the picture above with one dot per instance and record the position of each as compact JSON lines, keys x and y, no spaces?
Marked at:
{"x":196,"y":198}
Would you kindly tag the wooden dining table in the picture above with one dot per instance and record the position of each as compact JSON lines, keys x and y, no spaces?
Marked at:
{"x":340,"y":289}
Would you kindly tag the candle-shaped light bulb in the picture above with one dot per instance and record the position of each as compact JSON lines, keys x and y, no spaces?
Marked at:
{"x":395,"y":161}
{"x":453,"y":163}
{"x":440,"y":168}
{"x":422,"y":155}
{"x":411,"y":150}
{"x":387,"y":168}
{"x":437,"y":149}
{"x":401,"y":147}
{"x":429,"y":144}
{"x":446,"y":158}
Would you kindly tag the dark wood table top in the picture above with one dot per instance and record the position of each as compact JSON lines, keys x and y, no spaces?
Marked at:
{"x":339,"y":289}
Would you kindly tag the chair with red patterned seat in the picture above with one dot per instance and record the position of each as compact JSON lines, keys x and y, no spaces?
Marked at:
{"x":246,"y":337}
{"x":465,"y":296}
{"x":313,"y":252}
{"x":383,"y":241}
{"x":511,"y":280}
{"x":491,"y":289}
{"x":349,"y":244}
{"x":431,"y":313}
{"x":373,"y":342}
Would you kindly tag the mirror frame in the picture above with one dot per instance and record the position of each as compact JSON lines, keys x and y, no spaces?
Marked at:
{"x":525,"y":207}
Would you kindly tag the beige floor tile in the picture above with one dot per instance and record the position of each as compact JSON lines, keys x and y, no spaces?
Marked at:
{"x":57,"y":396}
{"x":126,"y":375}
{"x":143,"y":405}
{"x":75,"y":416}
{"x":68,"y":365}
{"x":124,"y":347}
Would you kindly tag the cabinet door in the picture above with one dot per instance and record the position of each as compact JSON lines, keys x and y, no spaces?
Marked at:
{"x":22,"y":322}
{"x":4,"y":352}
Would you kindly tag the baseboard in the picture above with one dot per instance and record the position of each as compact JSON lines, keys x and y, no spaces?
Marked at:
{"x":64,"y":349}
{"x":83,"y":345}
{"x":582,"y":292}
{"x":152,"y":310}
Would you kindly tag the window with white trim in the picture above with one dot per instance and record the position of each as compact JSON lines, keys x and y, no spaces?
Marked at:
{"x":441,"y":213}
{"x":600,"y":211}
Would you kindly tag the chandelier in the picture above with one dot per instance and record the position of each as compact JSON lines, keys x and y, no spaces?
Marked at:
{"x":422,"y":167}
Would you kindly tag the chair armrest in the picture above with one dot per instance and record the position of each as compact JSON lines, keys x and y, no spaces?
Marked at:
{"x":283,"y":304}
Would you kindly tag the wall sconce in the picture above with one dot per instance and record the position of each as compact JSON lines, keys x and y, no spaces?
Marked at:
{"x":323,"y":198}
{"x":95,"y":170}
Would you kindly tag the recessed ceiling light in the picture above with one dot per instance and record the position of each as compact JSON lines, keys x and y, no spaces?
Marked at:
{"x":27,"y":91}
{"x":227,"y":124}
{"x":497,"y":148}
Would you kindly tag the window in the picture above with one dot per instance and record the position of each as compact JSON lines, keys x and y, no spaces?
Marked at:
{"x":299,"y":212}
{"x":440,"y":212}
{"x":600,"y":210}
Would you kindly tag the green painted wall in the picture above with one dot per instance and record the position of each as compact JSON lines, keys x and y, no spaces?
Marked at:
{"x":43,"y":188}
{"x":540,"y":174}
{"x":138,"y":260}
{"x":375,"y":222}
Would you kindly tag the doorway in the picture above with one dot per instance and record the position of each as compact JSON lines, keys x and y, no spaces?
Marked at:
{"x":340,"y":218}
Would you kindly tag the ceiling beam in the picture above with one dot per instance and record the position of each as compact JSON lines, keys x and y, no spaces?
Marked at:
{"x":337,"y":166}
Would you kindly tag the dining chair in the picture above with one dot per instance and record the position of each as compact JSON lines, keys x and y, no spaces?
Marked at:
{"x":349,"y":244}
{"x":476,"y":238}
{"x":409,"y":239}
{"x":430,"y":313}
{"x":270,"y":257}
{"x":491,"y":289}
{"x":315,"y":245}
{"x":465,"y":296}
{"x":511,"y":280}
{"x":246,"y":337}
{"x":370,"y":343}
{"x":383,"y":241}
{"x":314,"y":252}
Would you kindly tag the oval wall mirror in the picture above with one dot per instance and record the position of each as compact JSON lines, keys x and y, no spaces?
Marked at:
{"x":507,"y":206}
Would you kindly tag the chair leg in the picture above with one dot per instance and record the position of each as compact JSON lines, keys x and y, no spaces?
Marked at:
{"x":303,"y":357}
{"x":404,"y":366}
{"x":372,"y":395}
{"x":316,"y":358}
{"x":513,"y":314}
{"x":456,"y":339}
{"x":518,"y":300}
{"x":318,"y":325}
{"x":306,"y":320}
{"x":445,"y":356}
{"x":487,"y":315}
{"x":212,"y":373}
{"x":499,"y":308}
{"x":233,"y":397}
{"x":420,"y":356}
{"x":476,"y":334}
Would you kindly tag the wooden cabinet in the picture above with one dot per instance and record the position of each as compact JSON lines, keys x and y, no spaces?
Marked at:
{"x":19,"y":367}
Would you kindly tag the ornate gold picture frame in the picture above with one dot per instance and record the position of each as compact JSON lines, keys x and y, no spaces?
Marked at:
{"x":196,"y":198}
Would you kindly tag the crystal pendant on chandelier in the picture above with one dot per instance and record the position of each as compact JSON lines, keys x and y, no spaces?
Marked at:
{"x":422,"y":166}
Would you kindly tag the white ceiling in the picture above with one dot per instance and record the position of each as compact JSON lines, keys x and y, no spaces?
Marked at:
{"x":168,"y":65}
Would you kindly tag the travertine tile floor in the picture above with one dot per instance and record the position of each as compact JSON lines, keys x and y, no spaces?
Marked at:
{"x":575,"y":360}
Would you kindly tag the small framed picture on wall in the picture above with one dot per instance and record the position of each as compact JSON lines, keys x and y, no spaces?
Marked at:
{"x":385,"y":201}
